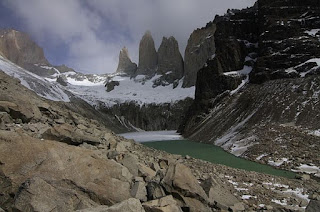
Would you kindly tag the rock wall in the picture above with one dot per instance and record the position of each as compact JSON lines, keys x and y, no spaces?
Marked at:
{"x":125,"y":64}
{"x":274,"y":113}
{"x":200,"y":47}
{"x":285,"y":39}
{"x":148,"y":58}
{"x":151,"y":117}
{"x":170,"y":62}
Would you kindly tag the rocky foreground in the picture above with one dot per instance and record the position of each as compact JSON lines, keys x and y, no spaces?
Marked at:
{"x":55,"y":159}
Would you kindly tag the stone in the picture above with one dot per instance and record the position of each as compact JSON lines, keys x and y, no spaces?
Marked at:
{"x":313,"y":206}
{"x":218,"y":194}
{"x":238,"y":207}
{"x":164,"y":204}
{"x":155,"y":191}
{"x":129,"y":205}
{"x":179,"y":177}
{"x":145,"y":171}
{"x":139,"y":191}
{"x":148,"y":58}
{"x":125,"y":64}
{"x":70,"y":134}
{"x":24,"y":157}
{"x":131,"y":163}
{"x":110,"y":85}
{"x":37,"y":194}
{"x":1,"y":210}
{"x":62,"y":80}
{"x":269,"y":207}
{"x":195,"y":205}
{"x":305,"y":177}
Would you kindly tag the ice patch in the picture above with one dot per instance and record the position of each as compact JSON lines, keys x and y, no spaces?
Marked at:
{"x":149,"y":136}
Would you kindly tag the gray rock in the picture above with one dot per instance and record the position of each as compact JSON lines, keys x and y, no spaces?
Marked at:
{"x":179,"y":177}
{"x":139,"y":191}
{"x":148,"y":58}
{"x":62,"y":80}
{"x":155,"y":191}
{"x":129,"y":205}
{"x":110,"y":85}
{"x":131,"y":163}
{"x":238,"y":207}
{"x":200,"y":47}
{"x":165,"y":204}
{"x":125,"y":64}
{"x":313,"y":206}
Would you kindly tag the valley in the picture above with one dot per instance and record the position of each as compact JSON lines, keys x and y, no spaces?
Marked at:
{"x":231,"y":125}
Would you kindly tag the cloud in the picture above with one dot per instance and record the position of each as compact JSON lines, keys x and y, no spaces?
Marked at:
{"x":92,"y":32}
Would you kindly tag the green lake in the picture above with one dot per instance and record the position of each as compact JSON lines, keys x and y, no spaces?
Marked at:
{"x":214,"y":154}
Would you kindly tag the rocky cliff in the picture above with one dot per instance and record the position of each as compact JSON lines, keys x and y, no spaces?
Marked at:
{"x":125,"y":64}
{"x":170,"y":62}
{"x":148,"y":58}
{"x":151,"y":117}
{"x":275,"y":44}
{"x":200,"y":47}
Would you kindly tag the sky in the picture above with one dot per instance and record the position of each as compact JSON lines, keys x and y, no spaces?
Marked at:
{"x":88,"y":35}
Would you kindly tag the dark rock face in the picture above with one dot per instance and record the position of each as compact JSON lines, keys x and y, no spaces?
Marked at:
{"x":125,"y":64}
{"x":200,"y":47}
{"x":110,"y":85}
{"x":151,"y":117}
{"x":148,"y":58}
{"x":284,"y":41}
{"x":235,"y":41}
{"x":170,"y":62}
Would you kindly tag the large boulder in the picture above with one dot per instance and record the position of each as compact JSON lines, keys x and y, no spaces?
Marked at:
{"x":148,"y":58}
{"x":313,"y":206}
{"x":180,"y":178}
{"x":23,"y":157}
{"x":125,"y":64}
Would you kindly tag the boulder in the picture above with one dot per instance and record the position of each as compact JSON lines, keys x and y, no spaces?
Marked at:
{"x":131,"y":163}
{"x":145,"y":171}
{"x":180,"y":178}
{"x":129,"y":205}
{"x":25,"y":112}
{"x":165,"y":204}
{"x":22,"y":157}
{"x":70,"y":134}
{"x":238,"y":207}
{"x":154,"y":190}
{"x":62,"y":80}
{"x":195,"y":205}
{"x":148,"y":58}
{"x":139,"y":191}
{"x":313,"y":206}
{"x":110,"y":85}
{"x":36,"y":194}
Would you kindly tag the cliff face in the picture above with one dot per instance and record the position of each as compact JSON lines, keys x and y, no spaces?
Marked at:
{"x":288,"y":37}
{"x":148,"y":58}
{"x":125,"y":64}
{"x":170,"y":62}
{"x":259,"y":94}
{"x":200,"y":47}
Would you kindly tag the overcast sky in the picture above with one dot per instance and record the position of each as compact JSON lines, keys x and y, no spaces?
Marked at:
{"x":88,"y":35}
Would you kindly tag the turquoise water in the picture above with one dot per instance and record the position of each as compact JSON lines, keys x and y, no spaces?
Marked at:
{"x":214,"y":154}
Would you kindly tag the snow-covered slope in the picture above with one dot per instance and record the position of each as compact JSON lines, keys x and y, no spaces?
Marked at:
{"x":129,"y":89}
{"x":42,"y":87}
{"x":91,"y":88}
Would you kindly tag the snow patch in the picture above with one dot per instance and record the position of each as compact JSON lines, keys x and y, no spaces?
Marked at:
{"x":312,"y":32}
{"x":278,"y":162}
{"x":309,"y":169}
